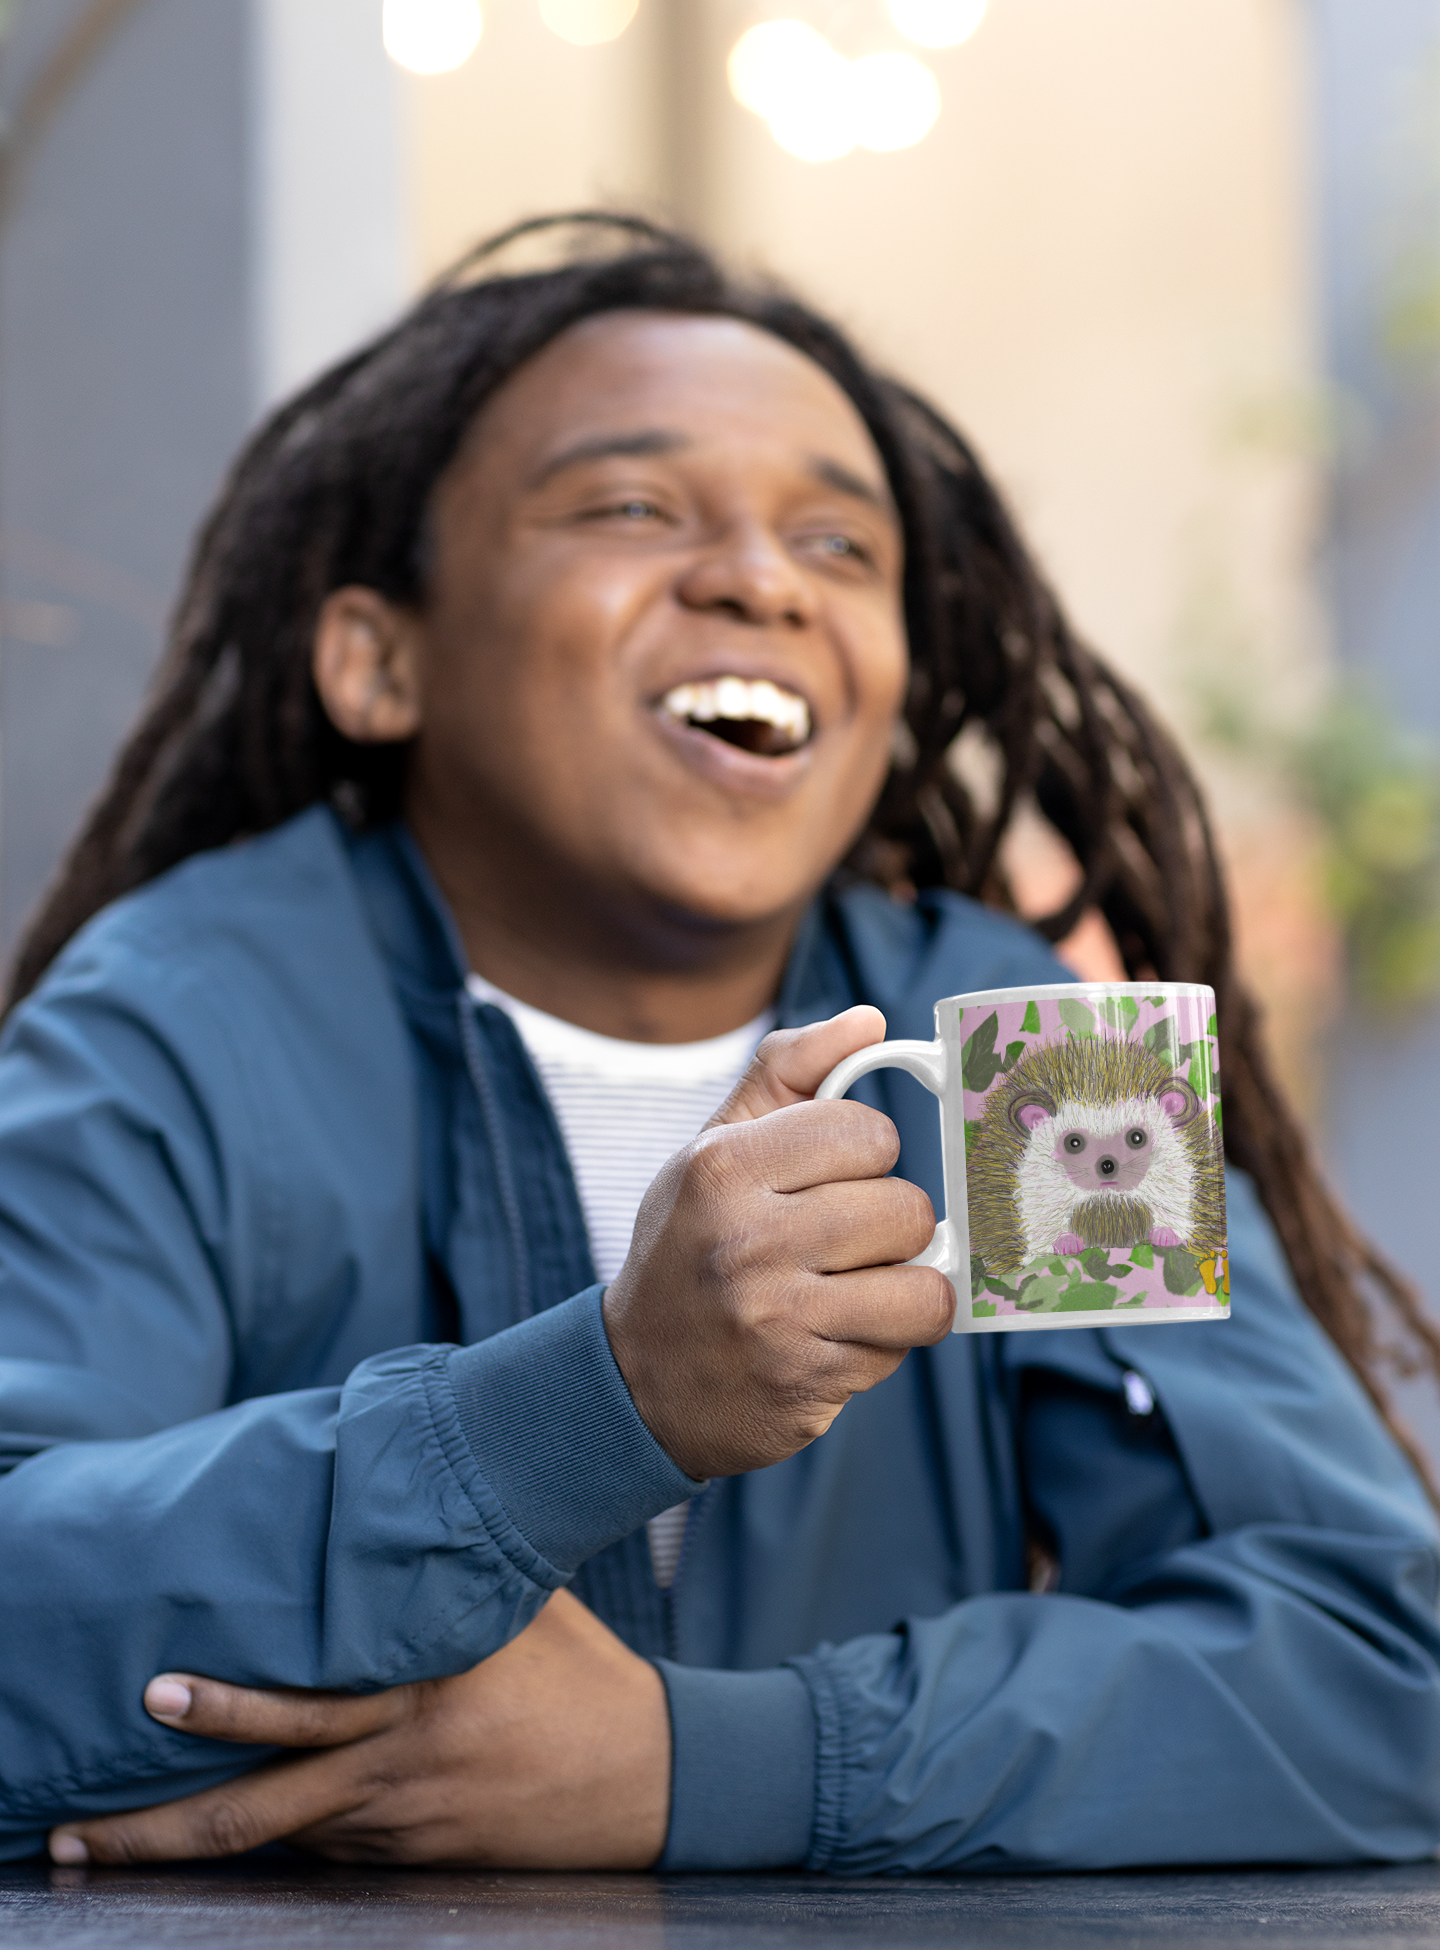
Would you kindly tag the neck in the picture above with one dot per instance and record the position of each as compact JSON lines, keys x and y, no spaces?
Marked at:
{"x":644,"y":977}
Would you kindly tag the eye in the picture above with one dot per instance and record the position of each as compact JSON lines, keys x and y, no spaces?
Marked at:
{"x":1136,"y":1138}
{"x":633,"y":510}
{"x":1074,"y":1141}
{"x":837,"y":548}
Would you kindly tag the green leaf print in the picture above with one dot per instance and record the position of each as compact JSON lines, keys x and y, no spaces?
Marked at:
{"x":1120,"y":1012}
{"x":979,"y":1065}
{"x":1210,"y":1028}
{"x":1157,"y":1001}
{"x":972,"y":1131}
{"x":1159,"y":1039}
{"x":1013,"y":1050}
{"x":982,"y":1309}
{"x":1182,"y":1275}
{"x":1143,"y":1255}
{"x":1096,"y":1261}
{"x":1031,"y":1025}
{"x":984,"y":1281}
{"x":1076,"y":1016}
{"x":1086,"y":1296}
{"x":1042,"y":1292}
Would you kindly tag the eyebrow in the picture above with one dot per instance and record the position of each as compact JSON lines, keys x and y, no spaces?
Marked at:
{"x":668,"y":440}
{"x":610,"y":446}
{"x":832,"y":474}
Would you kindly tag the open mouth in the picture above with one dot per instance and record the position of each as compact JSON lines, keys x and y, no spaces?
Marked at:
{"x":752,"y":713}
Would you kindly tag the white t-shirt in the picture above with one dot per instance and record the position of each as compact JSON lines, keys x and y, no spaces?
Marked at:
{"x":623,"y":1110}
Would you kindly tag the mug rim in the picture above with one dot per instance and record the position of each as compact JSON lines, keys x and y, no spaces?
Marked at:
{"x":1057,"y":991}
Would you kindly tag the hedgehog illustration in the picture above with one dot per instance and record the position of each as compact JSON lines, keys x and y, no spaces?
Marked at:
{"x":1092,"y":1142}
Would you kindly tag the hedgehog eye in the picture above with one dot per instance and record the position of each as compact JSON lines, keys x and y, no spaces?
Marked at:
{"x":1136,"y":1138}
{"x":1074,"y":1142}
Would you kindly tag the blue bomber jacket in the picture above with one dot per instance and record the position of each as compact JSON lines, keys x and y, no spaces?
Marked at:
{"x":304,"y":1382}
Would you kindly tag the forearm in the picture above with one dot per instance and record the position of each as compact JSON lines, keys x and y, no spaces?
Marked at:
{"x":1231,"y":1716}
{"x":402,"y":1528}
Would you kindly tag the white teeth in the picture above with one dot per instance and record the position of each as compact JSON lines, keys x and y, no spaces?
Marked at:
{"x":740,"y":700}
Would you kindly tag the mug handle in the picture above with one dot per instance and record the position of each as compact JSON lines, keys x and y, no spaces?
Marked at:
{"x":926,"y":1062}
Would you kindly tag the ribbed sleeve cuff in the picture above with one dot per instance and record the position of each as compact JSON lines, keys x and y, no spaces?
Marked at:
{"x":555,"y":1434}
{"x":743,"y":1784}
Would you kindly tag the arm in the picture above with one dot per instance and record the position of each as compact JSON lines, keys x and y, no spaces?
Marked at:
{"x":414,"y":1521}
{"x":402,"y":1525}
{"x":1240,"y":1663}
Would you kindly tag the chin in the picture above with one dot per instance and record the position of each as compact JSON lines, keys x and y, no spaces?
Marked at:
{"x":726,"y":901}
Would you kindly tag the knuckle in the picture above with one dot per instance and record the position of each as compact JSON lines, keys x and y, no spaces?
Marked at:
{"x":116,"y":1843}
{"x":914,"y":1213}
{"x":716,"y":1162}
{"x":871,"y":1135}
{"x":227,"y":1829}
{"x":940,"y":1300}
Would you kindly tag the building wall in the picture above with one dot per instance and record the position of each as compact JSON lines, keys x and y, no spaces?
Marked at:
{"x":124,"y":384}
{"x":216,"y":210}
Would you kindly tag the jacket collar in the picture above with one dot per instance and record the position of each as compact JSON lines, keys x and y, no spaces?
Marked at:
{"x":417,"y":935}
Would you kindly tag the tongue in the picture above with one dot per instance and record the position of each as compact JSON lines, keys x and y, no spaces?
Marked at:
{"x":750,"y":734}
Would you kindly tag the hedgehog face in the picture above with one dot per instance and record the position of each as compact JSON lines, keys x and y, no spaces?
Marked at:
{"x":1104,"y":1148}
{"x":1097,"y":1162}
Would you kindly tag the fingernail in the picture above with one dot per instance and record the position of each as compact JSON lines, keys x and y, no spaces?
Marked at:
{"x":168,"y":1699}
{"x":67,"y":1849}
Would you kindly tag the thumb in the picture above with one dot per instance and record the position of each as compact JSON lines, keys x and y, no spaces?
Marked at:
{"x":791,"y":1064}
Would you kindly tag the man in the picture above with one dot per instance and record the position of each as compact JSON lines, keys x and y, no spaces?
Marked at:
{"x":315,"y":1389}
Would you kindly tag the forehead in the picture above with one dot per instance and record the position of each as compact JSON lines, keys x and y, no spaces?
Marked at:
{"x":710,"y":380}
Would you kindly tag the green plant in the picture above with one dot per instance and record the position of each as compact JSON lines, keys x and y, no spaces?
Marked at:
{"x":1372,"y":786}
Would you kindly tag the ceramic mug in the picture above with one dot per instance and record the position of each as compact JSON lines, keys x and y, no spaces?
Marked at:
{"x":1084,"y":1170}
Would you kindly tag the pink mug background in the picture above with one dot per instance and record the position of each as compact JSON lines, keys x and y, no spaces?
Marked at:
{"x":1143,"y":1280}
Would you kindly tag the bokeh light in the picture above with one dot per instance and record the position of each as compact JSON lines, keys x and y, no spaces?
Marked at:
{"x":774,"y":62}
{"x":937,"y":23}
{"x":585,"y":23}
{"x":431,"y":36}
{"x":818,"y":104}
{"x":896,"y":100}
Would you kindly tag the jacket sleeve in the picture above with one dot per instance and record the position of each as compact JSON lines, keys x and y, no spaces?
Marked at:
{"x":400,"y":1526}
{"x":1239,"y":1663}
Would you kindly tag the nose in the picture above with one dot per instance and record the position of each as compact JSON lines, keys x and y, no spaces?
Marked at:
{"x":749,"y":574}
{"x":1106,"y":1167}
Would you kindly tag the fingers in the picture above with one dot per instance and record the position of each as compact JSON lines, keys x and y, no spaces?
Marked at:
{"x":870,"y":1222}
{"x":803,"y":1145}
{"x":261,"y":1807}
{"x":791,"y":1064}
{"x":264,"y":1717}
{"x":885,"y":1308}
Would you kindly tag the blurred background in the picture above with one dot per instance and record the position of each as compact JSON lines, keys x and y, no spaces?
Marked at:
{"x":1176,"y":269}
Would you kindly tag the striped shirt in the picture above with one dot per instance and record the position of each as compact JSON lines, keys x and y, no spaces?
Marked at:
{"x":623,"y":1110}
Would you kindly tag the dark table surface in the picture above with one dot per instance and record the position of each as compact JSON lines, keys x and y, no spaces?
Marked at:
{"x":280,"y":1904}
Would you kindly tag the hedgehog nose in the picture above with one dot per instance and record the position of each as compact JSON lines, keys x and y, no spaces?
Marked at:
{"x":1106,"y":1167}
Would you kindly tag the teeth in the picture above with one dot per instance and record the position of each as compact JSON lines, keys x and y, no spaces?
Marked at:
{"x":740,"y":700}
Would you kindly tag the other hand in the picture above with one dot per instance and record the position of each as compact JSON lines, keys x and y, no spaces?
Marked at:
{"x":764,"y":1285}
{"x":554,"y":1753}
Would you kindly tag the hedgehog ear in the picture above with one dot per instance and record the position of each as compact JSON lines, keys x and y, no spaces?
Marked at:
{"x":1178,"y":1101}
{"x":1028,"y":1110}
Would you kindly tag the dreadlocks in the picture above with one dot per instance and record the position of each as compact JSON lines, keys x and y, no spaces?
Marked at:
{"x":334,"y":489}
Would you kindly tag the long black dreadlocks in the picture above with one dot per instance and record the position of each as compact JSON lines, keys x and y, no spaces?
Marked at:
{"x":334,"y":489}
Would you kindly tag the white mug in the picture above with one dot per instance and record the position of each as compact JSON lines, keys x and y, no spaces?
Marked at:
{"x":1084,"y":1169}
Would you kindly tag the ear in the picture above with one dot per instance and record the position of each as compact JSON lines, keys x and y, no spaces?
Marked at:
{"x":1029,"y":1110}
{"x":364,"y":665}
{"x":1178,"y":1101}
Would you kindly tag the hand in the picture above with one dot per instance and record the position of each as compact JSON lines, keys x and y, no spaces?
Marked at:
{"x":552,"y":1754}
{"x":762,"y":1289}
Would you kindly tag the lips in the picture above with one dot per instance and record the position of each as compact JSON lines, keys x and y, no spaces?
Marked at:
{"x":755,"y":714}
